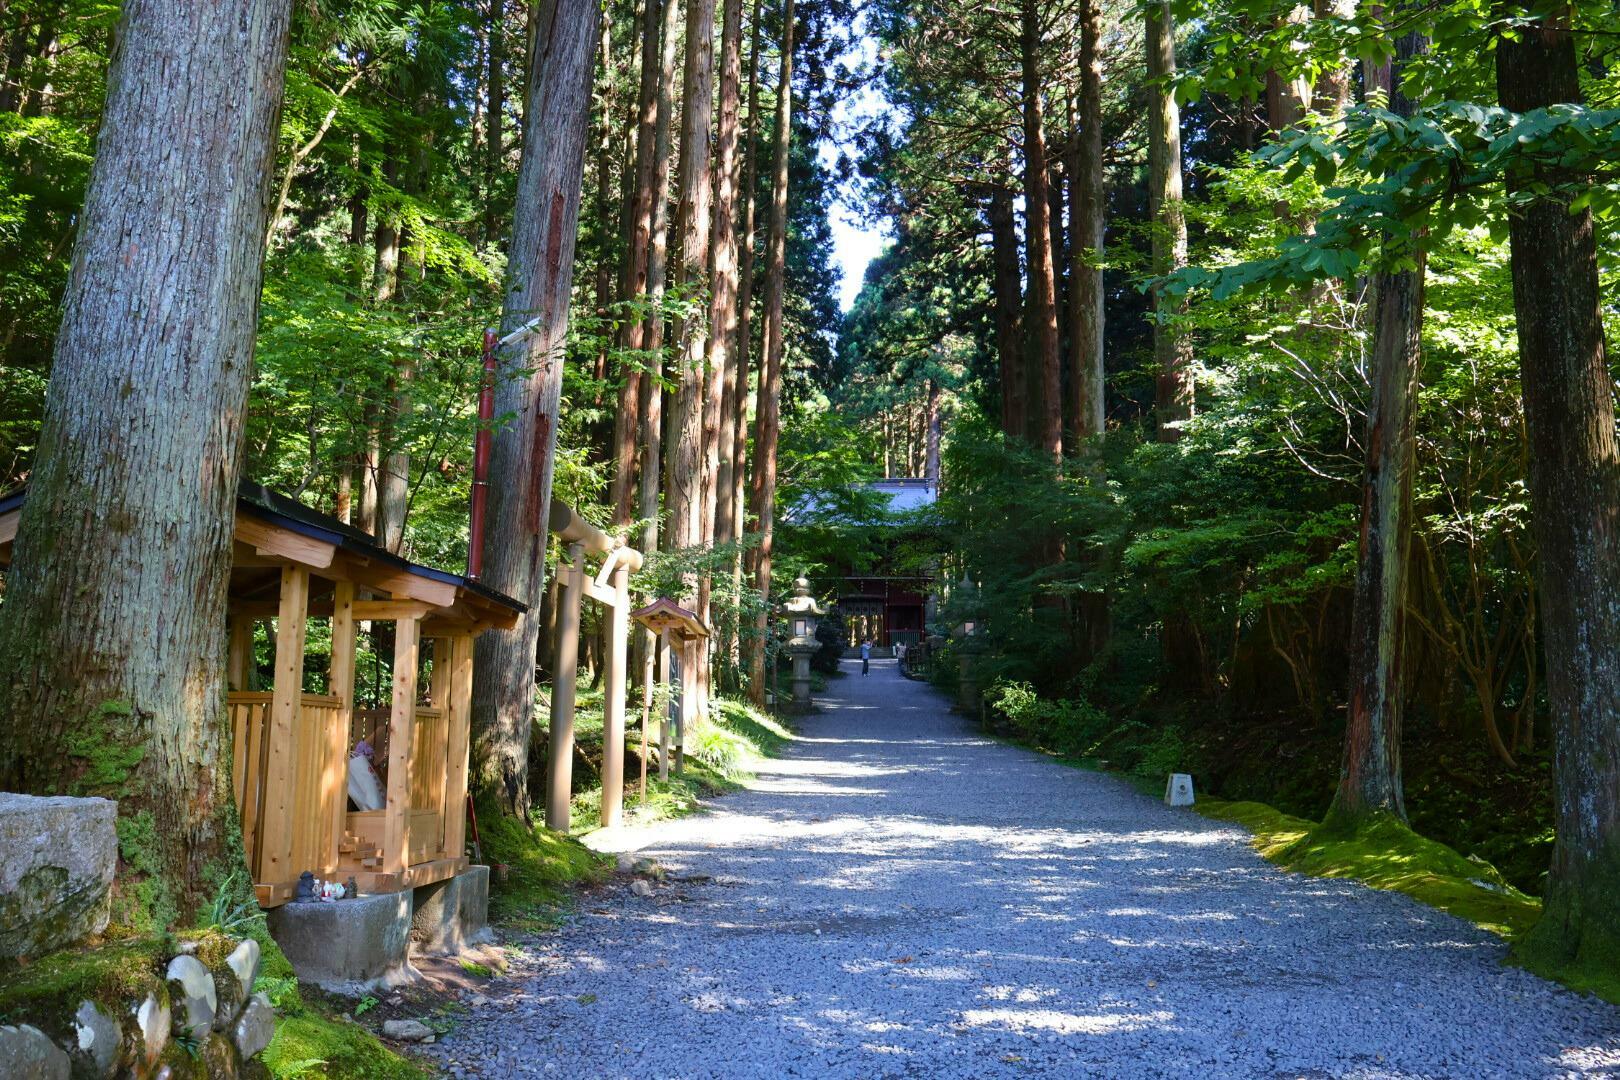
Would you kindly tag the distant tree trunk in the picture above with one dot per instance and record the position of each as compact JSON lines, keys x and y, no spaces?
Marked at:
{"x":1370,"y":772}
{"x":1173,"y":399}
{"x":539,"y":276}
{"x":111,"y":666}
{"x":494,"y":145}
{"x":1287,"y":98}
{"x":1575,"y":502}
{"x":1041,"y":310}
{"x":683,"y":483}
{"x":770,"y":382}
{"x":725,"y":355}
{"x":652,"y":395}
{"x":1331,"y":95}
{"x":1007,"y":295}
{"x":638,"y":245}
{"x":1086,"y":230}
{"x":605,"y":182}
{"x":931,"y":458}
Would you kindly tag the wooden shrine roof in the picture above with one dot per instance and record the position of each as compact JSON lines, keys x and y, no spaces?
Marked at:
{"x":665,"y":614}
{"x":272,"y":528}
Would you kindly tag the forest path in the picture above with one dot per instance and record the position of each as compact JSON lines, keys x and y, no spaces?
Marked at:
{"x":901,"y":896}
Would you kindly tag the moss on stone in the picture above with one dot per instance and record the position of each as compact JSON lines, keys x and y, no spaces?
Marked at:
{"x":310,"y":1045}
{"x":47,"y":992}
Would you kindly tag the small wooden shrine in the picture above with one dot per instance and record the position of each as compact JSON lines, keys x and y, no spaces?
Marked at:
{"x":295,"y":569}
{"x":681,"y":634}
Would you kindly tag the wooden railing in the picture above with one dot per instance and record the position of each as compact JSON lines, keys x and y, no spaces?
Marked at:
{"x":304,"y":817}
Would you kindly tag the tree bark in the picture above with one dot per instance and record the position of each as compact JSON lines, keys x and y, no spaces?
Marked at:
{"x":1007,"y":294}
{"x":725,"y":357}
{"x":652,"y":394}
{"x":1370,"y":770}
{"x":638,"y":245}
{"x":931,"y":453}
{"x":745,"y":279}
{"x":1575,"y":502}
{"x":768,"y":420}
{"x":1041,"y":309}
{"x":539,"y":277}
{"x":1086,"y":231}
{"x":1173,"y":397}
{"x":111,"y":666}
{"x":683,"y":483}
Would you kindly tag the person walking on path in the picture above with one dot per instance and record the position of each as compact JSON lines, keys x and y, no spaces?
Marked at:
{"x":866,"y":657}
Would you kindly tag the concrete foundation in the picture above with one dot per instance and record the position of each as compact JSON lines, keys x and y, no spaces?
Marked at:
{"x":353,"y":946}
{"x":350,"y":946}
{"x":452,"y":914}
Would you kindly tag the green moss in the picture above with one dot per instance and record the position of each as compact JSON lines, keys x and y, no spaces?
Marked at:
{"x":1580,"y":949}
{"x":105,"y":751}
{"x":143,"y":902}
{"x":47,"y":992}
{"x":472,"y":967}
{"x":308,"y":1044}
{"x":540,"y":865}
{"x":1386,"y":854}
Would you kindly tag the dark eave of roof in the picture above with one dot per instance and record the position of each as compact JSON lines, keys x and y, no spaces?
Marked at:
{"x":288,"y":513}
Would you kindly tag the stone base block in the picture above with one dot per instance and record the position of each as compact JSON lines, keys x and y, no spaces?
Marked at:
{"x":350,"y":946}
{"x":57,"y":856}
{"x":452,"y":914}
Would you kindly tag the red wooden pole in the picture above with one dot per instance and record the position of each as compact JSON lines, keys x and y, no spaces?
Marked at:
{"x":481,"y":442}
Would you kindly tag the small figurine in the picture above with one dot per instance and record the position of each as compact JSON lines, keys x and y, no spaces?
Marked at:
{"x":350,"y":889}
{"x":306,"y":888}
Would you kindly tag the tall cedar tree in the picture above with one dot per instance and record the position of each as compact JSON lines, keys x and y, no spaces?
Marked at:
{"x":1370,"y":774}
{"x":768,"y":410}
{"x":1040,"y":310}
{"x":1575,"y":502}
{"x":1088,"y":222}
{"x":1172,"y":353}
{"x":683,"y":482}
{"x":539,"y":277}
{"x":111,"y":636}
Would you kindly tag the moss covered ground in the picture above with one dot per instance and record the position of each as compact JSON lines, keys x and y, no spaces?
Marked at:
{"x":1386,"y":855}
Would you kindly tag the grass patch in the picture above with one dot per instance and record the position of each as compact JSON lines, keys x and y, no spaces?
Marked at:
{"x":722,"y":753}
{"x":1386,"y":855}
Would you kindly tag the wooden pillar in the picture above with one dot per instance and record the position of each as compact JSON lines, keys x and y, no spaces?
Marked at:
{"x":239,"y":655}
{"x":401,"y":724}
{"x":460,"y":721}
{"x":340,"y":684}
{"x":691,"y":650}
{"x":565,"y":673}
{"x":664,"y":655}
{"x":275,"y":854}
{"x":439,"y":675}
{"x":613,"y":699}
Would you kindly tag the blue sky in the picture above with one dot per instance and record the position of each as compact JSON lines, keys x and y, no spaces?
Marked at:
{"x":856,"y":242}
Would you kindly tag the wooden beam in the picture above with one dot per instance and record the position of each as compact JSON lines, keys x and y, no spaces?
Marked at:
{"x":401,"y":722}
{"x":439,"y":626}
{"x":400,"y":584}
{"x":273,"y":540}
{"x":386,"y":610}
{"x":460,"y":721}
{"x":239,"y":654}
{"x":275,"y":858}
{"x":341,"y":686}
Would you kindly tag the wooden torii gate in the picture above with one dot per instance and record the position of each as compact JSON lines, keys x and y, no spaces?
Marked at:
{"x":610,"y":588}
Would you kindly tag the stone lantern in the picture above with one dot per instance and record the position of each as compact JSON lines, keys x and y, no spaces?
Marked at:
{"x":803,"y":615}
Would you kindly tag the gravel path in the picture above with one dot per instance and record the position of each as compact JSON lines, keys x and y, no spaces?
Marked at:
{"x":902,"y":897}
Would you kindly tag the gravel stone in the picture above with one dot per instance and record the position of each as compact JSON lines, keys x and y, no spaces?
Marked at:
{"x":901,"y":896}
